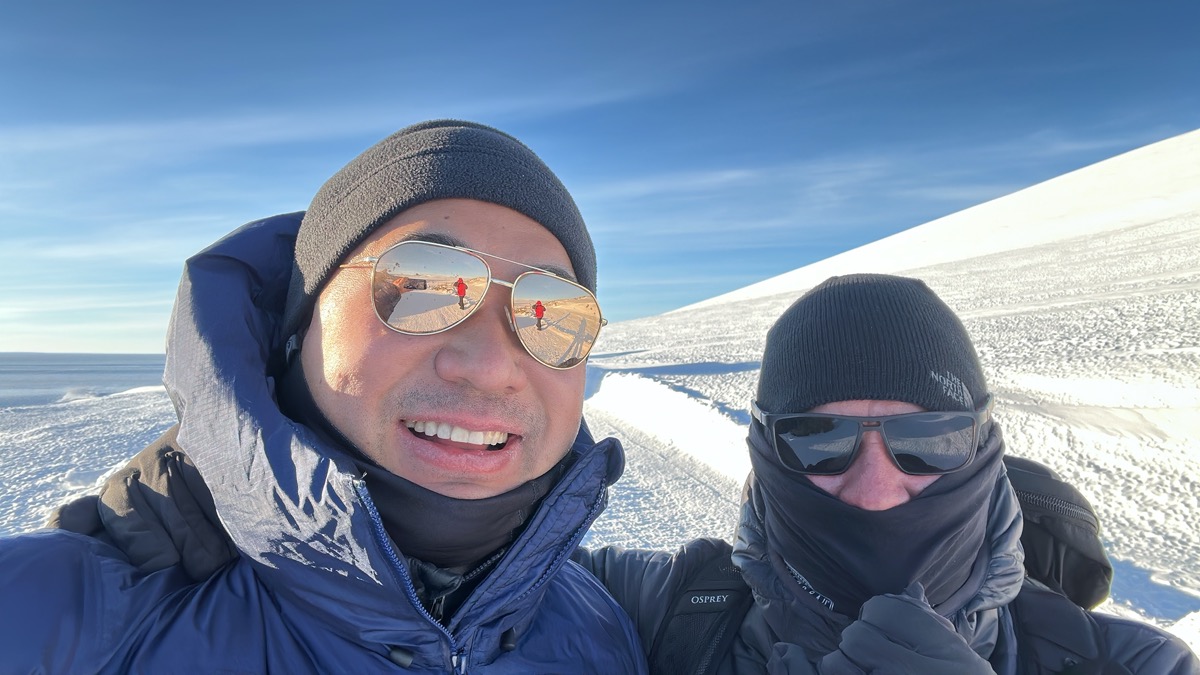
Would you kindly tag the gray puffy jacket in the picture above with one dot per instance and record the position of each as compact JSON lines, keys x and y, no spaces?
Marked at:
{"x":1012,"y":626}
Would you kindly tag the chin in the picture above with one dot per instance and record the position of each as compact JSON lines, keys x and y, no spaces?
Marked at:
{"x":468,"y":490}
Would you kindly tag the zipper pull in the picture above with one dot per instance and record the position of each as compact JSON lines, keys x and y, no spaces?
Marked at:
{"x":438,"y":607}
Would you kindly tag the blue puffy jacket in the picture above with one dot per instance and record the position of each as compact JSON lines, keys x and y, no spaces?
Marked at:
{"x":318,"y":587}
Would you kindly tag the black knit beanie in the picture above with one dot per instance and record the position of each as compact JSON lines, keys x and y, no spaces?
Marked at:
{"x":441,"y":159}
{"x":869,"y":337}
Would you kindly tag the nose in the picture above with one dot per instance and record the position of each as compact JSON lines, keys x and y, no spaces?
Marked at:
{"x":483,"y":351}
{"x":872,"y":482}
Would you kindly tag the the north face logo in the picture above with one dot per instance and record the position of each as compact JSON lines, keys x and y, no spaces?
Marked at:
{"x":953,"y":388}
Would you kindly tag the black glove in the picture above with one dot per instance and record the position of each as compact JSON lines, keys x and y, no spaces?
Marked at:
{"x":157,"y":511}
{"x":902,"y":634}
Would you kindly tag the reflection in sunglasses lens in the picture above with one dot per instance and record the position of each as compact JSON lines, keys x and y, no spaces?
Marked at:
{"x":556,"y":320}
{"x":424,"y":289}
{"x":931,"y":443}
{"x":820,"y":445}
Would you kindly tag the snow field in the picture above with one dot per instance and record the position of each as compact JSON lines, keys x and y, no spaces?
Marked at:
{"x":677,"y":420}
{"x":52,"y":453}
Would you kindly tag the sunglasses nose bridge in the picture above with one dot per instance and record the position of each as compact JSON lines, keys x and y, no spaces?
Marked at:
{"x":512,"y":322}
{"x":870,"y":437}
{"x":873,"y":454}
{"x":867,"y":427}
{"x":508,"y":306}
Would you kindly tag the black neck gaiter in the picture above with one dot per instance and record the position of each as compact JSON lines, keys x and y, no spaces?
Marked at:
{"x":447,"y":532}
{"x":849,"y":555}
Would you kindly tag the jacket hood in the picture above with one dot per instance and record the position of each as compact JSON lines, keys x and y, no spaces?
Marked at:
{"x":294,"y":504}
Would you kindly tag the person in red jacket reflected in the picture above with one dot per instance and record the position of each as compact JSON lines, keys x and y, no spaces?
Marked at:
{"x":460,"y":287}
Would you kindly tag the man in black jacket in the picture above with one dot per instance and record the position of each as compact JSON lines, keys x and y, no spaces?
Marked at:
{"x":879,"y":532}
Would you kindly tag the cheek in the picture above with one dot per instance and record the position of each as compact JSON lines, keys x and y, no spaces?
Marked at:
{"x":830,"y":484}
{"x":345,"y":336}
{"x":912,"y":485}
{"x":917,"y":484}
{"x":562,"y":395}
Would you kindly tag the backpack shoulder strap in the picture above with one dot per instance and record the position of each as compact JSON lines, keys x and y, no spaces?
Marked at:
{"x":1061,"y":537}
{"x":704,"y":617}
{"x":1054,"y":635}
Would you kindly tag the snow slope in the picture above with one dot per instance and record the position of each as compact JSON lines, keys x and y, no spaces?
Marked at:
{"x":1147,"y":185}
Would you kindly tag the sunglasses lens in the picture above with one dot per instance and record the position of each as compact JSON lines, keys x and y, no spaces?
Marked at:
{"x":931,"y":443}
{"x":421,"y":288}
{"x":923,"y":444}
{"x":816,"y":444}
{"x":557,"y":321}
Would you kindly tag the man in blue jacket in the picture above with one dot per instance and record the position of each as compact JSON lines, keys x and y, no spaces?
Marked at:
{"x":403,"y":479}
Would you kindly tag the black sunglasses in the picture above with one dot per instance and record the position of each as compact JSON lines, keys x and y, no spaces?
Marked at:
{"x":920,"y":444}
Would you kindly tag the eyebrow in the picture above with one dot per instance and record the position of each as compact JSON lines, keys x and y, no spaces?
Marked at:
{"x":448,"y":240}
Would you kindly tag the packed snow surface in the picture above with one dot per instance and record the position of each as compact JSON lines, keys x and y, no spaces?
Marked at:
{"x":1082,"y":295}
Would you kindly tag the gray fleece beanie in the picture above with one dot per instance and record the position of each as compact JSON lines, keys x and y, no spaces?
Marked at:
{"x":440,"y":159}
{"x":869,"y":337}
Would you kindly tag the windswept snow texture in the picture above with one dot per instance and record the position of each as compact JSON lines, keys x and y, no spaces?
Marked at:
{"x":1086,"y":314}
{"x":50,"y":453}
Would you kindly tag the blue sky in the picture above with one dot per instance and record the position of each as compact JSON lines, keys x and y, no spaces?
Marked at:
{"x":709,"y":145}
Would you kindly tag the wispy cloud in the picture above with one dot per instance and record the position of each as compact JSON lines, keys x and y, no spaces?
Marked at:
{"x":132,"y":333}
{"x":146,"y":251}
{"x":1060,"y":143}
{"x":138,"y":140}
{"x":89,"y":169}
{"x":828,"y":203}
{"x":67,"y":299}
{"x":962,"y":193}
{"x":139,"y":244}
{"x":673,"y":183}
{"x":1089,"y":144}
{"x":825,"y":174}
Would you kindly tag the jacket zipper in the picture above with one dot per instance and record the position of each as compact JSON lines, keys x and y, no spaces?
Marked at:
{"x":458,"y":657}
{"x":402,"y":570}
{"x":564,"y":551}
{"x":572,"y":544}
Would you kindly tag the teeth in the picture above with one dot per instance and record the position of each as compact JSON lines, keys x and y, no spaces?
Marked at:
{"x":458,"y":434}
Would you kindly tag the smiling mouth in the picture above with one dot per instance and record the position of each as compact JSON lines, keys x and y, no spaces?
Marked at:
{"x":491,"y":440}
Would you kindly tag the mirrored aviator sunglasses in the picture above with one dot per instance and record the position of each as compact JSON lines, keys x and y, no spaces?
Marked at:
{"x":423,"y":288}
{"x":920,"y":444}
